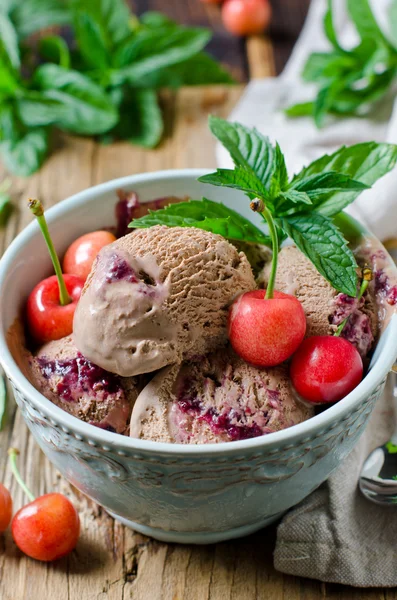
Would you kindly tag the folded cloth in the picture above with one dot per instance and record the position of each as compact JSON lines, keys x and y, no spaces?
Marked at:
{"x":335,"y":534}
{"x":264,"y":99}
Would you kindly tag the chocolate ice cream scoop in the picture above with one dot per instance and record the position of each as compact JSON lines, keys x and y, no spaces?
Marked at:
{"x":220,"y":398}
{"x":158,"y":296}
{"x":324,"y":307}
{"x":62,"y":374}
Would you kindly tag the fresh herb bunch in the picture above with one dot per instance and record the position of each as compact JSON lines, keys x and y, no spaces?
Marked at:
{"x":107,"y":84}
{"x":300,"y":207}
{"x":350,"y":81}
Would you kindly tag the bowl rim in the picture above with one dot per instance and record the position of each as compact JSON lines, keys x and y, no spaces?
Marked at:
{"x":307,"y":429}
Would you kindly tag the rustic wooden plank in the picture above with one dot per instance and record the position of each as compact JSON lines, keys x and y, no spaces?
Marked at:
{"x":260,"y":57}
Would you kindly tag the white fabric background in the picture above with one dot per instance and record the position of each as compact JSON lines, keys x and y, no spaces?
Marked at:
{"x":262,"y":103}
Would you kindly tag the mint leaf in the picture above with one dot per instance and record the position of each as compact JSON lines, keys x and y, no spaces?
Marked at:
{"x":318,"y":238}
{"x":249,"y":149}
{"x":349,"y":81}
{"x":365,"y":163}
{"x":294,"y":196}
{"x":364,"y":20}
{"x":154,"y":19}
{"x":238,"y":179}
{"x":317,"y":185}
{"x":84,"y":106}
{"x":54,"y":49}
{"x":329,"y":28}
{"x":5,"y":209}
{"x":110,"y":18}
{"x":207,"y":215}
{"x":393,"y":23}
{"x":302,"y":109}
{"x":279,"y":178}
{"x":25,"y":155}
{"x":323,"y":66}
{"x":200,"y":69}
{"x":147,"y":51}
{"x":141,"y":121}
{"x":30,"y":16}
{"x":9,"y":39}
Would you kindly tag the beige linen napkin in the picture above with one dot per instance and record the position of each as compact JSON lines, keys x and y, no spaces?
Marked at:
{"x":335,"y":534}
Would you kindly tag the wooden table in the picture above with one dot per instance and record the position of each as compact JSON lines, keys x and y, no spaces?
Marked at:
{"x":111,"y":562}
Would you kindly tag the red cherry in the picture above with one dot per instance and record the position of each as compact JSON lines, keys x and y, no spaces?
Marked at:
{"x":81,"y":254}
{"x":246,"y":17}
{"x":266,"y":332}
{"x":47,"y":528}
{"x":5,"y":508}
{"x":47,"y":319}
{"x":325,"y":369}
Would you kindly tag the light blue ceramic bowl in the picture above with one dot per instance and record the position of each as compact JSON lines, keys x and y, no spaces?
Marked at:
{"x":193,"y":494}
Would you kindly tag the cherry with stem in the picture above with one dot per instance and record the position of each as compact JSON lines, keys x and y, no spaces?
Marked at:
{"x":37,"y":209}
{"x":48,"y":527}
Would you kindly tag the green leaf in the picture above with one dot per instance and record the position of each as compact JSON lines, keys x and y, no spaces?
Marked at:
{"x":154,"y":19}
{"x":391,"y":448}
{"x":5,"y":211}
{"x":112,"y":18}
{"x":8,"y":122}
{"x":319,"y":184}
{"x":365,"y":163}
{"x":324,"y":66}
{"x":249,"y":149}
{"x":30,"y":16}
{"x":9,"y":39}
{"x":148,"y":51}
{"x":141,"y":120}
{"x":239,"y":179}
{"x":84,"y":106}
{"x":54,"y":49}
{"x":91,"y":41}
{"x":35,"y":110}
{"x":200,"y":69}
{"x":329,"y":28}
{"x":393,"y":23}
{"x":318,"y":238}
{"x":302,"y":109}
{"x":207,"y":215}
{"x":3,"y":401}
{"x":293,"y":196}
{"x":25,"y":155}
{"x":279,"y":179}
{"x":364,"y":20}
{"x":9,"y":79}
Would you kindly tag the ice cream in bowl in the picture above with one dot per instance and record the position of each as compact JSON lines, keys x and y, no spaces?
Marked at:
{"x":182,"y":416}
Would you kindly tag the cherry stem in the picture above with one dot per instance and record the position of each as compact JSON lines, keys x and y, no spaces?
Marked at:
{"x":13,"y":453}
{"x":367,"y":277}
{"x":273,"y":236}
{"x":37,"y":209}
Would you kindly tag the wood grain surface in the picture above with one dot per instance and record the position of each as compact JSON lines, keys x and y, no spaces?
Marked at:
{"x":112,"y":562}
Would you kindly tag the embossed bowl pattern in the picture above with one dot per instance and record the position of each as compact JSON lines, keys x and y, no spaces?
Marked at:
{"x":192,"y":494}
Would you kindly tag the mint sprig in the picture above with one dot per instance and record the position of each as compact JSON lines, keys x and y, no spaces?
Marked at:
{"x":293,"y":206}
{"x":350,"y":81}
{"x":207,"y":215}
{"x":300,"y":207}
{"x":106,"y":84}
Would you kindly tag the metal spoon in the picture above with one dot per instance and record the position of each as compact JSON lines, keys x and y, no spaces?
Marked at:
{"x":378,"y":477}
